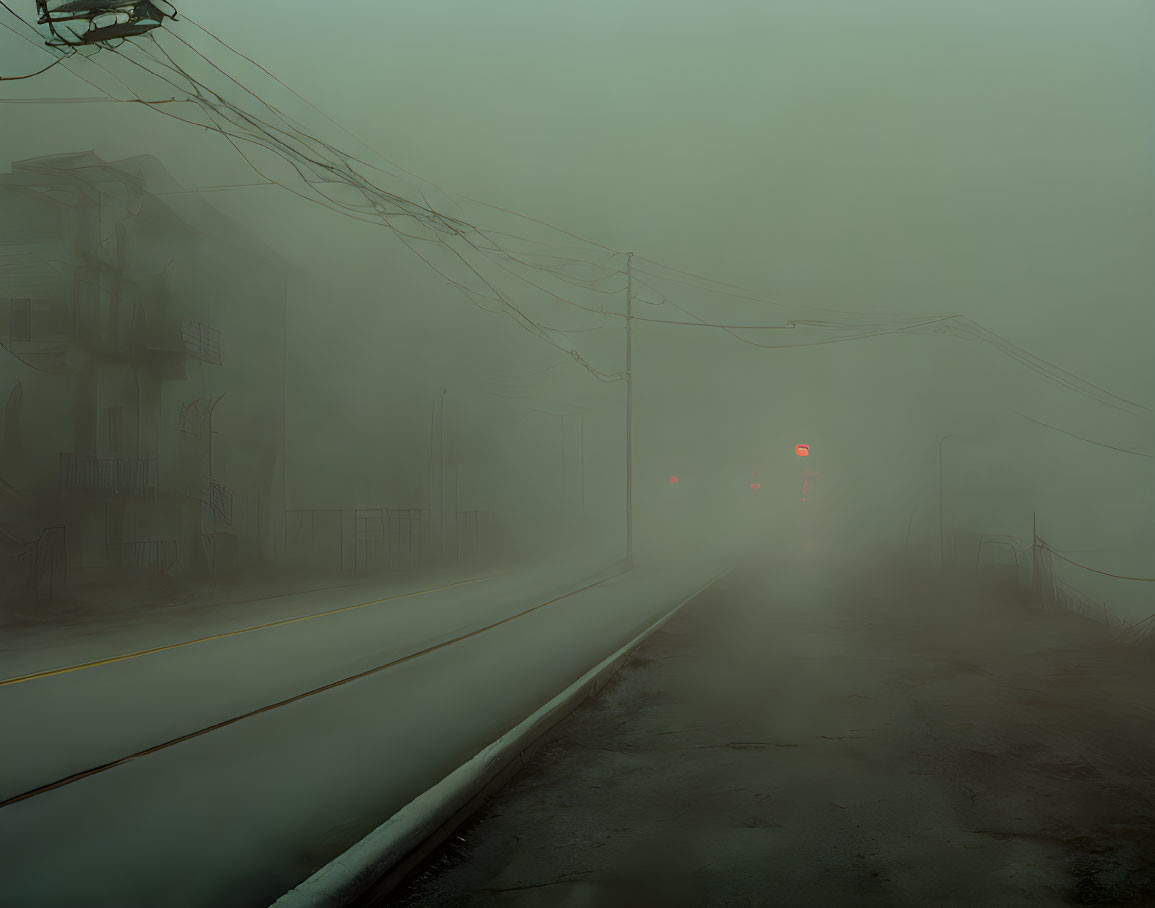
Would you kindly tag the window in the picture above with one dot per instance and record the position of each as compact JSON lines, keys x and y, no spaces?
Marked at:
{"x":20,"y":320}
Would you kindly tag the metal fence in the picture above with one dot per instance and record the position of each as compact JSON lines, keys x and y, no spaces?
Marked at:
{"x":384,"y":539}
{"x":1052,"y":590}
{"x":42,"y":566}
{"x":154,"y":556}
{"x":1034,"y":567}
{"x":471,"y":535}
{"x":315,"y":538}
{"x":85,"y":475}
{"x":404,"y":539}
{"x":390,"y":539}
{"x":370,"y":548}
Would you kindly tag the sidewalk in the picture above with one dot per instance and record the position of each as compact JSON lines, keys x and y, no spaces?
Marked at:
{"x":124,"y":603}
{"x":127,"y":599}
{"x":115,"y":619}
{"x":798,"y":741}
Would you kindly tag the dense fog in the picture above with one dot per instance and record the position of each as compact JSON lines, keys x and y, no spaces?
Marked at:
{"x":988,"y":160}
{"x":350,"y":331}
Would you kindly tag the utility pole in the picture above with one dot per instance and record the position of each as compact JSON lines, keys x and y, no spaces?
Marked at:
{"x":629,"y":409}
{"x":441,"y":480}
{"x":941,"y":530}
{"x":582,"y":462}
{"x":285,"y":429}
{"x":212,"y":495}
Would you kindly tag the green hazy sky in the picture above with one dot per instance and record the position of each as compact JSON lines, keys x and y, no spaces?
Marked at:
{"x":989,"y":157}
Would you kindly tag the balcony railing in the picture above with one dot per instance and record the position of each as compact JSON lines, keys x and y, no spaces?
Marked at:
{"x":40,"y":568}
{"x":152,"y":555}
{"x":201,"y":341}
{"x":85,"y":475}
{"x":221,"y":500}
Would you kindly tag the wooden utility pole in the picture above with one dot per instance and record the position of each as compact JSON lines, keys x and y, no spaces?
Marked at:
{"x":441,"y":482}
{"x":582,"y":462}
{"x":629,"y":409}
{"x":941,"y":530}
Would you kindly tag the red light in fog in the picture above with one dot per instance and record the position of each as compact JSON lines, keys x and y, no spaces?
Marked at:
{"x":802,"y":450}
{"x":755,"y":485}
{"x":673,"y":480}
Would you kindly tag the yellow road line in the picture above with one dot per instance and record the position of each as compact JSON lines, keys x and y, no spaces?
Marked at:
{"x":244,"y":630}
{"x":95,"y":770}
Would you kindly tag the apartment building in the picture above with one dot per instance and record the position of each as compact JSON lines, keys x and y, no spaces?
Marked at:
{"x":142,"y":377}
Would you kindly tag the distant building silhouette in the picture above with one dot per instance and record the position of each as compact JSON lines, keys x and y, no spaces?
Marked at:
{"x":135,"y":319}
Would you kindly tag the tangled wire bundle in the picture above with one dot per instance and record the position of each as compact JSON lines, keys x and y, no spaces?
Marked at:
{"x":99,"y":22}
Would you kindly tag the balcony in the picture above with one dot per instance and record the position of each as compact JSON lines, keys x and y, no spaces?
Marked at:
{"x":165,"y":346}
{"x":85,"y":476}
{"x":201,"y":342}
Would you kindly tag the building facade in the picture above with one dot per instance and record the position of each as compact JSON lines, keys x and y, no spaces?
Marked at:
{"x":143,"y":372}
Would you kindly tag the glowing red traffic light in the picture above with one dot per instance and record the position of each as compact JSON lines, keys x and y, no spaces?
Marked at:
{"x":755,"y":485}
{"x":802,"y":450}
{"x":673,"y":480}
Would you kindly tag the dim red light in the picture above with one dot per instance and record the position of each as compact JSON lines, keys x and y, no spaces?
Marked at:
{"x":802,"y":450}
{"x":755,"y":485}
{"x":673,"y":480}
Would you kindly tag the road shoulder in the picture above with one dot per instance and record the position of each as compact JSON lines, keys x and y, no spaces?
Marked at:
{"x":755,"y":749}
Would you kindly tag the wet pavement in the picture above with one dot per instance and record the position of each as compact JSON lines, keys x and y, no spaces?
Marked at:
{"x":883,"y":737}
{"x":239,"y":758}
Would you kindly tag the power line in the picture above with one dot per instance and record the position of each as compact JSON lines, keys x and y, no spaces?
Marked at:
{"x":30,"y":75}
{"x":1090,"y":441}
{"x":306,"y":153}
{"x":1086,"y":567}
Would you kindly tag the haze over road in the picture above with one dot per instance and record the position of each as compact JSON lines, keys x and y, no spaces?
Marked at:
{"x":241,"y":814}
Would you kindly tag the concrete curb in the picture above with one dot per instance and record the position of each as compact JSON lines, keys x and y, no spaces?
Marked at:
{"x":374,"y":866}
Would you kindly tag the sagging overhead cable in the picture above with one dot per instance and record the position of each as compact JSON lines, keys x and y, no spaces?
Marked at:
{"x":507,"y":269}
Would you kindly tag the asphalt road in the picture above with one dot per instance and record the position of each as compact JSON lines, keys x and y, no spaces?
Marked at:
{"x":800,"y":738}
{"x":240,"y":814}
